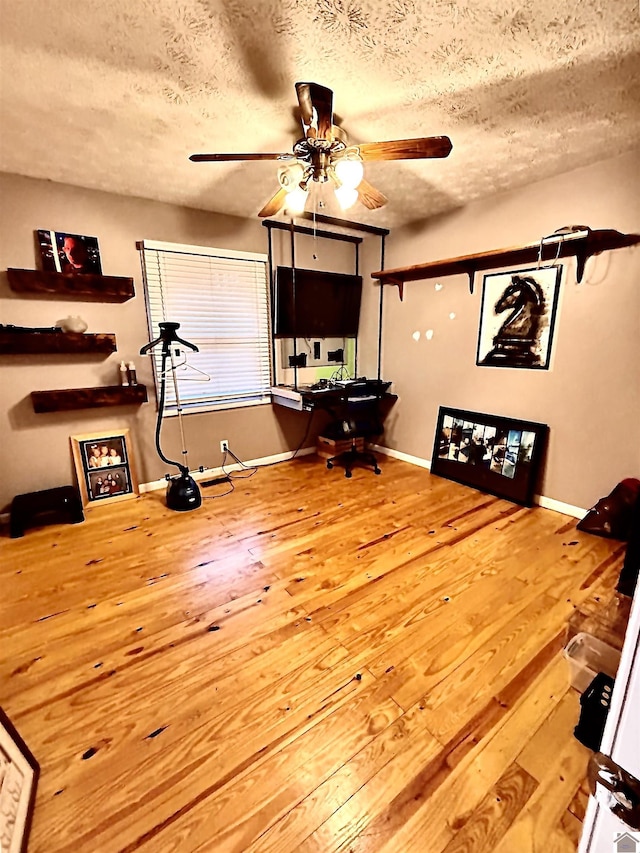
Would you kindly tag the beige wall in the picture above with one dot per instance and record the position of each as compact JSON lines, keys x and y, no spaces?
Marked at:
{"x":590,"y":398}
{"x":35,"y":448}
{"x":591,"y":395}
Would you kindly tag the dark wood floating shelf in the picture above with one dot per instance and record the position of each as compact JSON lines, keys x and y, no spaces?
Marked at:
{"x":88,"y":398}
{"x":42,"y":343}
{"x":591,"y":243}
{"x":87,"y":287}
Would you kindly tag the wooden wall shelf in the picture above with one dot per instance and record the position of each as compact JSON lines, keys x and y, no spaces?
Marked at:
{"x":87,"y":287}
{"x":42,"y":343}
{"x":581,"y":245}
{"x":88,"y":398}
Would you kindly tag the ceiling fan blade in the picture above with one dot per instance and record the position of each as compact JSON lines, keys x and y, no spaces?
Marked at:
{"x":316,"y":110}
{"x":406,"y":149}
{"x":369,"y":196}
{"x":274,"y":204}
{"x":218,"y":158}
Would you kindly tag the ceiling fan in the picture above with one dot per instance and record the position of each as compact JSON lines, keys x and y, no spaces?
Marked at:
{"x":323,"y":154}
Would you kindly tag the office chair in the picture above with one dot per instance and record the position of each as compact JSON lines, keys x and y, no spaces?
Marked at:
{"x":361,"y":419}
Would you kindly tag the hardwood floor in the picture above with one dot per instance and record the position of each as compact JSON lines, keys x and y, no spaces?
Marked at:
{"x":310,"y":663}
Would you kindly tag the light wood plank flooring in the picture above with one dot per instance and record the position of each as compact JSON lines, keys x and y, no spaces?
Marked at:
{"x":309,"y":663}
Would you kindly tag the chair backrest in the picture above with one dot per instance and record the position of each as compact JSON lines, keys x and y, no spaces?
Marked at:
{"x":362,"y":417}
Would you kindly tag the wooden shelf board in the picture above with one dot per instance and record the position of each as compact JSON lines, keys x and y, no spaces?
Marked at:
{"x":87,"y":398}
{"x":87,"y":287}
{"x":54,"y":343}
{"x":591,"y":243}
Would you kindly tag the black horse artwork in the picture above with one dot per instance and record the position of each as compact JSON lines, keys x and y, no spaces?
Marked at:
{"x":517,"y":342}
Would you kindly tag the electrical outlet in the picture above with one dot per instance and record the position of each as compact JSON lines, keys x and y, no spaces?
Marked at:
{"x":224,"y":445}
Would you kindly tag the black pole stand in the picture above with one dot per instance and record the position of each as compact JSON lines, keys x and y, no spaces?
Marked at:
{"x":183,"y":493}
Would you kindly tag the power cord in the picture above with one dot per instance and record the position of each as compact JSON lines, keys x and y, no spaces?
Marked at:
{"x":222,"y":494}
{"x":253,"y":469}
{"x":230,"y":474}
{"x":341,"y":374}
{"x":298,"y":448}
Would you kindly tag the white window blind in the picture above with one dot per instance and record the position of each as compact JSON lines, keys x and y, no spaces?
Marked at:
{"x":221,"y":300}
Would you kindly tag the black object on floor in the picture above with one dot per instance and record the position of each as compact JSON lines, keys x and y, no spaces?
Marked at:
{"x":631,"y":568}
{"x":46,"y":507}
{"x":595,"y":703}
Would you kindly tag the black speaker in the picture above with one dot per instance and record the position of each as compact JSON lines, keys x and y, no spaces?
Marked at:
{"x":594,"y":707}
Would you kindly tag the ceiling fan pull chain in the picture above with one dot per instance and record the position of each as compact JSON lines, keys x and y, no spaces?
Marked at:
{"x":315,"y":235}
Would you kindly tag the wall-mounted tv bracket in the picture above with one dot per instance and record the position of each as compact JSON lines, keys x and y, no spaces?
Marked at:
{"x":270,"y":224}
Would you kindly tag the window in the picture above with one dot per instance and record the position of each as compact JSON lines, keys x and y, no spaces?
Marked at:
{"x":221,"y":300}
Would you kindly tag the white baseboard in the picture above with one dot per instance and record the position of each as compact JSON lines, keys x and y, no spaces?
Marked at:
{"x":560,"y":506}
{"x":212,"y":473}
{"x":541,"y":500}
{"x":404,"y":457}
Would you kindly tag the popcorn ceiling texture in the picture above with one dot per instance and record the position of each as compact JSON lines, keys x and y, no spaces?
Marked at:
{"x":115,"y":96}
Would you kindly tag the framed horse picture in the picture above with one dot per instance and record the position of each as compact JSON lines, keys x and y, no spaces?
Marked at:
{"x":517,"y":318}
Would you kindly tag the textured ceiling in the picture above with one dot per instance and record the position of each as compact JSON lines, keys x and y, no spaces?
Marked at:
{"x":115,"y":96}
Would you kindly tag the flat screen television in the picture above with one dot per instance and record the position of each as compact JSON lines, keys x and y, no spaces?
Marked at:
{"x":326,"y":304}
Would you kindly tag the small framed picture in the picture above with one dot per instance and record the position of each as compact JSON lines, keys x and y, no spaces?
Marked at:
{"x":19,"y":773}
{"x":71,"y":254}
{"x":104,"y":466}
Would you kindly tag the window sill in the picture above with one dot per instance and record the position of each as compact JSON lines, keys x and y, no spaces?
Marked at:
{"x":207,"y":408}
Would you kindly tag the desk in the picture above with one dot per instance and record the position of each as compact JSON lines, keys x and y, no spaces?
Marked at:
{"x":307,"y":399}
{"x":357,"y":409}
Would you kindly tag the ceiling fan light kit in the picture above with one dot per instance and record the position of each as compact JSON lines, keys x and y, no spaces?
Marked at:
{"x":347,"y":196}
{"x":296,"y":200}
{"x":349,"y":170}
{"x":323,"y":155}
{"x":291,"y":176}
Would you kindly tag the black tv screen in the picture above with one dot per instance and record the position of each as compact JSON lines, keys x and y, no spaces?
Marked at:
{"x":325,"y":305}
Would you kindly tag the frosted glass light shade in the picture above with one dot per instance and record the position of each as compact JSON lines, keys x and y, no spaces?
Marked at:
{"x":296,"y":200}
{"x":346,"y":196}
{"x":349,"y":172}
{"x":290,"y":176}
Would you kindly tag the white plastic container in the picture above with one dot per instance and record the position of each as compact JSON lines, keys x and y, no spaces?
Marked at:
{"x":587,"y":656}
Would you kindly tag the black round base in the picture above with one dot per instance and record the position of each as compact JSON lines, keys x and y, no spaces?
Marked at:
{"x":183,"y":493}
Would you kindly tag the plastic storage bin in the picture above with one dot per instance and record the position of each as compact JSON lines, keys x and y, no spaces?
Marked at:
{"x":587,"y":656}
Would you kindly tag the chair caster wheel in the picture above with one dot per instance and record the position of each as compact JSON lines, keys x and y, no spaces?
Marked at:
{"x":377,"y":471}
{"x":347,"y":474}
{"x":329,"y":465}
